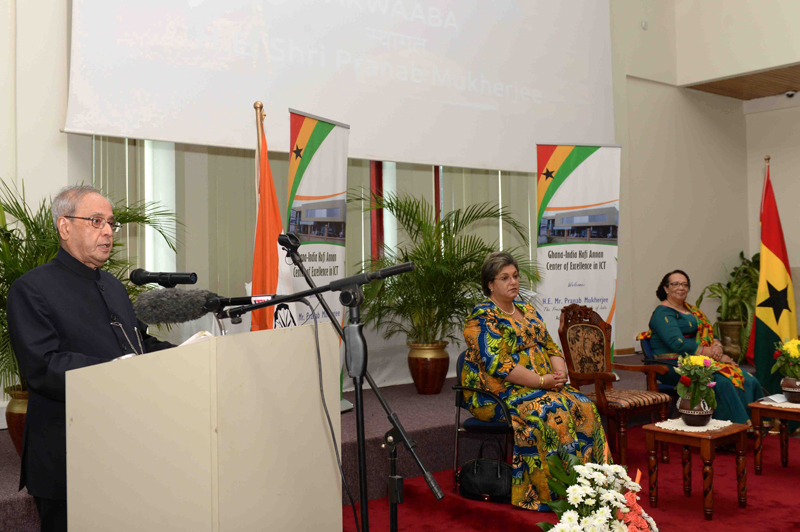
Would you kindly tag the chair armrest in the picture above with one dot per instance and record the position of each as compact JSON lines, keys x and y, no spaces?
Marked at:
{"x":600,"y":379}
{"x":649,"y":369}
{"x":495,"y":397}
{"x":661,"y":369}
{"x":600,"y":376}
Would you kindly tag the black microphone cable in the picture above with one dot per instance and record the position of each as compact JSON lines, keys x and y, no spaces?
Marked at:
{"x":327,"y":415}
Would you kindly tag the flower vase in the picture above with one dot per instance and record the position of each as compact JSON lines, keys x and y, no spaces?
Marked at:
{"x":791,"y":389}
{"x":699,"y":416}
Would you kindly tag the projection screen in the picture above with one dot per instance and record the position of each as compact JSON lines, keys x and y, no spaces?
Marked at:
{"x":465,"y":83}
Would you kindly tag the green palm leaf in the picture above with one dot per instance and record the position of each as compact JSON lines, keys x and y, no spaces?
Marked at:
{"x":430,"y":304}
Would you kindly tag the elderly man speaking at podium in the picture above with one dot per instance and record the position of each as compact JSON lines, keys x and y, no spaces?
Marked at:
{"x":63,"y":315}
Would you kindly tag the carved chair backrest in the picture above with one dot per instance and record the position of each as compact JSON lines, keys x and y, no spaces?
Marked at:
{"x":586,"y":340}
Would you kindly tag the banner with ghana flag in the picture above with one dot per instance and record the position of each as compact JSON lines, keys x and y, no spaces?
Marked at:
{"x":577,"y":221}
{"x":776,"y":318}
{"x":317,"y":207}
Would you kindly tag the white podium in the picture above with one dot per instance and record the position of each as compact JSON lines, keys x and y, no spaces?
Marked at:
{"x":224,"y":435}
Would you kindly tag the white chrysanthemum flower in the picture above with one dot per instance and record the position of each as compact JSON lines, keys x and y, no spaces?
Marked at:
{"x":618,"y":526}
{"x":575,"y":494}
{"x":632,"y":486}
{"x":603,"y":514}
{"x":561,"y":527}
{"x":570,"y":517}
{"x":615,"y":499}
{"x":590,"y":502}
{"x":581,"y":469}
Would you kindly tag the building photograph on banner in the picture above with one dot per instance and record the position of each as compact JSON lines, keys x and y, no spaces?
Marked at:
{"x":317,"y":205}
{"x":577,"y":230}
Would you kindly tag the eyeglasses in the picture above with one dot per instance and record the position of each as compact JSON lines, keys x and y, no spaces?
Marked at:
{"x":506,"y":278}
{"x":98,"y":223}
{"x":681,"y":285}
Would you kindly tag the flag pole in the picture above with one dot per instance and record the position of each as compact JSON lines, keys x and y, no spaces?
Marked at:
{"x":764,"y":186}
{"x":259,"y":107}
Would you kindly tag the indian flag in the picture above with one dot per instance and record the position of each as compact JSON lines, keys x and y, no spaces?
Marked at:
{"x":271,"y":274}
{"x":775,"y":319}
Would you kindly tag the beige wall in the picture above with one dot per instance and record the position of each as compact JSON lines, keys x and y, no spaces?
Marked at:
{"x":34,"y":50}
{"x":724,"y":38}
{"x":683,"y":187}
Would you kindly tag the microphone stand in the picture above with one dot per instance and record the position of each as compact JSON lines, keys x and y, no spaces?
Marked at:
{"x":356,"y":359}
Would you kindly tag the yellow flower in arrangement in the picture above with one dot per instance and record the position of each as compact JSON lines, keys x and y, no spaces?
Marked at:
{"x":792,"y":347}
{"x":699,"y":360}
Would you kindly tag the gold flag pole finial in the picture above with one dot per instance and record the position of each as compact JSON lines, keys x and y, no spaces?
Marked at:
{"x":259,"y":107}
{"x":766,"y":159}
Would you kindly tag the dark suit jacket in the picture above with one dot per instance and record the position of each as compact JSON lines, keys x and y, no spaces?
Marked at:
{"x":61,"y":316}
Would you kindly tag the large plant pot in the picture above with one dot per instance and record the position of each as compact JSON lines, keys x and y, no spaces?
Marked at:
{"x":15,"y":415}
{"x":791,"y":389}
{"x":428,"y":364}
{"x":699,"y":416}
{"x":729,"y":332}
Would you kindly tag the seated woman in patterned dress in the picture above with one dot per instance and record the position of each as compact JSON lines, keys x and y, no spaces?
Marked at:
{"x":510,"y":353}
{"x":679,"y":329}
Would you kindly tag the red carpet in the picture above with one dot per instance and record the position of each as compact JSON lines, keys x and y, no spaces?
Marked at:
{"x":772,"y":499}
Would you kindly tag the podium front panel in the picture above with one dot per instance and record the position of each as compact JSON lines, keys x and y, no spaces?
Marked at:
{"x":224,"y":435}
{"x":277,"y":467}
{"x":139,"y":444}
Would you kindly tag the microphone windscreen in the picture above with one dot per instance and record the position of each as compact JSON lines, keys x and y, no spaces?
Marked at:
{"x":171,"y":305}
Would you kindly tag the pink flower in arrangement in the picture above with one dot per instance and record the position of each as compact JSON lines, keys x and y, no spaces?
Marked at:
{"x":707,"y":362}
{"x":633,"y":518}
{"x":712,"y":384}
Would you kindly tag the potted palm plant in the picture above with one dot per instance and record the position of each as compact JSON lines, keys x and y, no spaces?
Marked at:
{"x":737,"y":305}
{"x":29,"y":239}
{"x":430,"y":303}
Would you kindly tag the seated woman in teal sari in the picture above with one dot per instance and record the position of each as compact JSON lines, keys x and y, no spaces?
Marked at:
{"x":678,"y":328}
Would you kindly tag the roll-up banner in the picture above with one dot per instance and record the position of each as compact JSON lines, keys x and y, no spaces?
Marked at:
{"x":317,"y":207}
{"x":577,"y":230}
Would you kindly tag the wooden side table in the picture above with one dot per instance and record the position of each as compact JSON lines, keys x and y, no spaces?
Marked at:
{"x":761,"y":410}
{"x":708,"y":443}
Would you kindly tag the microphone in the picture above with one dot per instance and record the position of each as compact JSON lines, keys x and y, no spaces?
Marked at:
{"x":180,"y":306}
{"x":172,"y":306}
{"x":165,"y":279}
{"x":364,"y":278}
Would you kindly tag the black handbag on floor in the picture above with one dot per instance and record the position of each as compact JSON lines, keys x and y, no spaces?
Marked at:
{"x":488,"y":480}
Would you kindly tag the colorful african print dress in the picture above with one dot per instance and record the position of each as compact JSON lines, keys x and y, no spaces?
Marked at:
{"x":543,"y":420}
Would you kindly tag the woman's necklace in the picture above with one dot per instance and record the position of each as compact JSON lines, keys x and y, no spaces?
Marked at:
{"x":513,"y":308}
{"x":682,"y":308}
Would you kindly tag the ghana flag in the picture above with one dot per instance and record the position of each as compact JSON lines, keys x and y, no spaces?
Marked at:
{"x":775,"y":319}
{"x":556,"y":163}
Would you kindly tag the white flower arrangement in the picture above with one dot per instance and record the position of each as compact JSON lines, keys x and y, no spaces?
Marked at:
{"x":596,"y":498}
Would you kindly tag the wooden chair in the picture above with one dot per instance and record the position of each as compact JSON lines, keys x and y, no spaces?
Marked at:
{"x":586,"y":341}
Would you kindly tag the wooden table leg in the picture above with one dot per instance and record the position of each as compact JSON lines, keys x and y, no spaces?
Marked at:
{"x":757,"y":425}
{"x":652,"y":462}
{"x":784,"y":443}
{"x":707,"y":454}
{"x":687,"y":470}
{"x":664,"y":415}
{"x":741,"y":469}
